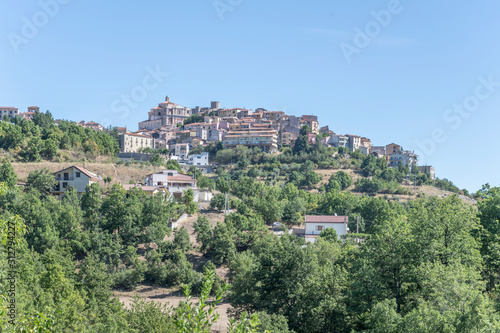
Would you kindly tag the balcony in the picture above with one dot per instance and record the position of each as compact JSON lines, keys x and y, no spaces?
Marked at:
{"x":65,"y":179}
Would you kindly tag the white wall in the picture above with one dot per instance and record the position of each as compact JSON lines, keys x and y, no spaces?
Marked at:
{"x":311,"y":228}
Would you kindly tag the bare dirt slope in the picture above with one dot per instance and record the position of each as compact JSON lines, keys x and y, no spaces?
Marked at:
{"x":170,"y":297}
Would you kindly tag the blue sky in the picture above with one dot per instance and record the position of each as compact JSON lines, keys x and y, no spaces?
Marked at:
{"x":401,"y":86}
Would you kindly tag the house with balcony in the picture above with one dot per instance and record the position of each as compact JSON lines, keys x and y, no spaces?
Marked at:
{"x":338,"y":140}
{"x":174,"y":182}
{"x":403,"y":157}
{"x":75,"y":176}
{"x":8,"y":111}
{"x":353,"y":142}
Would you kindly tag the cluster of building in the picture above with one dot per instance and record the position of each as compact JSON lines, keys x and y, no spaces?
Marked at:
{"x":263,"y":129}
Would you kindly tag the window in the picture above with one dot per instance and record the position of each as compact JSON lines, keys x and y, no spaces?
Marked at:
{"x":65,"y":185}
{"x":78,"y":174}
{"x":319,"y":227}
{"x":66,"y":176}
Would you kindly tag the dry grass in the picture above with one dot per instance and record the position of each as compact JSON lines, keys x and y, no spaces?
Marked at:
{"x":118,"y":173}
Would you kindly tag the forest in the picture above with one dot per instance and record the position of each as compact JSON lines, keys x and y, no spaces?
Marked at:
{"x":425,"y":264}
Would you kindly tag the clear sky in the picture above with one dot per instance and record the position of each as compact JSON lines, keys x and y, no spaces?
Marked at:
{"x":402,"y":75}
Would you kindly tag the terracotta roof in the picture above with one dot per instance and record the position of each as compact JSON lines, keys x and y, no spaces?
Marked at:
{"x":142,"y":187}
{"x":181,"y":178}
{"x":139,"y":135}
{"x":89,"y":174}
{"x":326,"y":219}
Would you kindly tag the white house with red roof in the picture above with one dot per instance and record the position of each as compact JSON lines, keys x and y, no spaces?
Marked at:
{"x":317,"y":223}
{"x":75,"y":176}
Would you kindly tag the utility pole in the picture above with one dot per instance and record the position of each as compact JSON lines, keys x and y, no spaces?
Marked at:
{"x":357,"y":225}
{"x":415,"y":183}
{"x":226,"y":205}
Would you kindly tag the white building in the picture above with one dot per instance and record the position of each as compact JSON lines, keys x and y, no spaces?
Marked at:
{"x":175,"y":183}
{"x":199,"y":159}
{"x":315,"y":224}
{"x":406,"y":158}
{"x":181,"y":150}
{"x":354,"y":142}
{"x":8,"y":111}
{"x":364,"y":150}
{"x":338,"y":140}
{"x":133,"y":143}
{"x":74,"y":176}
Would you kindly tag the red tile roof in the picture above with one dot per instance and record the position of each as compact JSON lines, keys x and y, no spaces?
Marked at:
{"x":89,"y":174}
{"x":326,"y":219}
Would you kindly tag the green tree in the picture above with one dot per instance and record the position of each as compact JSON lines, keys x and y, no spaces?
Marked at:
{"x":222,"y":185}
{"x":218,"y":202}
{"x":181,"y":240}
{"x":203,"y":231}
{"x":41,"y":180}
{"x":7,"y":174}
{"x":49,"y":149}
{"x":329,"y":234}
{"x":174,"y":165}
{"x":223,"y":248}
{"x":32,"y":152}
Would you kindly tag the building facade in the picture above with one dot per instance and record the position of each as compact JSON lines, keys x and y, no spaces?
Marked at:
{"x":315,"y":224}
{"x":133,"y":143}
{"x":8,"y":111}
{"x":199,"y":159}
{"x":165,"y":114}
{"x":175,"y":183}
{"x":265,"y":139}
{"x":338,"y":140}
{"x":74,"y":176}
{"x":286,"y":138}
{"x":181,"y":150}
{"x":405,"y":158}
{"x":354,"y":141}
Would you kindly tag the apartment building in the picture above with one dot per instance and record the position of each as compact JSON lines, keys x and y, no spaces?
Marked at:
{"x":338,"y":140}
{"x":353,"y":142}
{"x":405,"y":158}
{"x":392,"y":148}
{"x":287,"y":138}
{"x":198,"y":159}
{"x":132,"y":143}
{"x":273,"y":115}
{"x":265,"y":139}
{"x":8,"y":111}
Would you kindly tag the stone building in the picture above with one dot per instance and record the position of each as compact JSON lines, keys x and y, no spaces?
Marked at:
{"x":165,"y":114}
